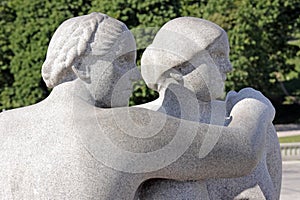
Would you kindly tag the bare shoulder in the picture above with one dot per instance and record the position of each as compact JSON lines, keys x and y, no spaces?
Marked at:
{"x":12,"y":119}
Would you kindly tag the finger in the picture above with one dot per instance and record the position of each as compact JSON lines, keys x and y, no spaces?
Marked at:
{"x":230,"y":95}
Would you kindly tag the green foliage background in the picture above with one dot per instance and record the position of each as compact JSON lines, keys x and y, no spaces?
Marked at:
{"x":262,"y":34}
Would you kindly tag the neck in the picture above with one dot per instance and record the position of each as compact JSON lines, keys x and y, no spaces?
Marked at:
{"x":62,"y":92}
{"x":182,"y":103}
{"x":70,"y":92}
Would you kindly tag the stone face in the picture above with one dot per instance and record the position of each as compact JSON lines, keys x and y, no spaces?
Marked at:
{"x":82,"y":142}
{"x":189,"y":58}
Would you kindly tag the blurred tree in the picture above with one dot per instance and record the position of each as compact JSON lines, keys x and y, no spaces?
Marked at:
{"x":259,"y":34}
{"x":193,"y":8}
{"x":7,"y":16}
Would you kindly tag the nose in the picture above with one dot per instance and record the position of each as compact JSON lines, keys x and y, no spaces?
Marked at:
{"x":224,"y":77}
{"x":227,"y":66}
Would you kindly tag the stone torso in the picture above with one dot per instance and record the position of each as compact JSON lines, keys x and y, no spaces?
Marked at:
{"x":257,"y":185}
{"x":43,"y":158}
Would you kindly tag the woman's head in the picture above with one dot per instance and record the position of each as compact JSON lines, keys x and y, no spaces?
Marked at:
{"x":181,"y":49}
{"x":94,"y":34}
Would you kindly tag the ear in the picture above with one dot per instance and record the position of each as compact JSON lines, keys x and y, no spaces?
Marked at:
{"x":82,"y":71}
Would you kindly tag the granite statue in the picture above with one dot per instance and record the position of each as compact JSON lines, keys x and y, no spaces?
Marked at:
{"x":191,"y":55}
{"x":83,"y":142}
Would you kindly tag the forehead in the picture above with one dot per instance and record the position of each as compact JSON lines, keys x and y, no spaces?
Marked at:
{"x":220,"y":46}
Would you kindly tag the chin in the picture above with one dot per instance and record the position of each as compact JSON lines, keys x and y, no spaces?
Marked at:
{"x":218,"y":93}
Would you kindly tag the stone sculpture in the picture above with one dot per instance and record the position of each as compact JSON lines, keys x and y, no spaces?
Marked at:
{"x":81,"y":142}
{"x":191,"y":55}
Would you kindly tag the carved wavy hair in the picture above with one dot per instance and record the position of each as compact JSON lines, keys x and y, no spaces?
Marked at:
{"x":95,"y":33}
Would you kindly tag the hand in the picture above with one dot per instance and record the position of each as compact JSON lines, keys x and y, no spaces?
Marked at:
{"x":233,"y":98}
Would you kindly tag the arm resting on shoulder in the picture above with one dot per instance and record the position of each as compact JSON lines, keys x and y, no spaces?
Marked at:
{"x":237,"y":151}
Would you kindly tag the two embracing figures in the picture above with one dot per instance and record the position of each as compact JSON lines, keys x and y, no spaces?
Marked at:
{"x":84,"y":142}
